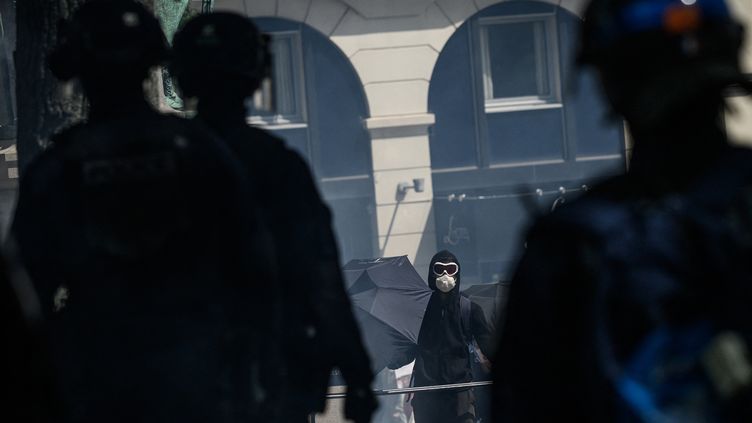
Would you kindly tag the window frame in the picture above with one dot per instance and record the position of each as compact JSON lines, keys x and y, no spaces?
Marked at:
{"x":551,"y":55}
{"x":299,"y":119}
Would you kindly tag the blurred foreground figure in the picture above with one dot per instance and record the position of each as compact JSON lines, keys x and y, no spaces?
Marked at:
{"x":221,"y":59}
{"x":632,"y":304}
{"x":133,"y":231}
{"x":452,"y":327}
{"x":25,"y":374}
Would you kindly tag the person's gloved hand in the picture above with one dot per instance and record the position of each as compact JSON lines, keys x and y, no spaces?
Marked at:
{"x":360,"y":404}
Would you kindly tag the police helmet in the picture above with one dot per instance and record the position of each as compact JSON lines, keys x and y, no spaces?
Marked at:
{"x":117,"y":37}
{"x":220,"y":48}
{"x":656,"y":58}
{"x":660,"y":32}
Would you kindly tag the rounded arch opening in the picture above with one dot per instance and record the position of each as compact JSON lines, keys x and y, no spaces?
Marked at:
{"x":512,"y":115}
{"x":319,"y":109}
{"x":315,"y":74}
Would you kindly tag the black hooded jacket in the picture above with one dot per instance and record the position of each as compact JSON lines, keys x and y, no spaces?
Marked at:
{"x":443,"y":356}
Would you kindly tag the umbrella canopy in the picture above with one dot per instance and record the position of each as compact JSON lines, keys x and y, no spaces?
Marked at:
{"x":491,"y":297}
{"x":389,"y":299}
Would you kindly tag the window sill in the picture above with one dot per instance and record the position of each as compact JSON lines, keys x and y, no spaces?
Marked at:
{"x":345,"y":178}
{"x":526,"y":163}
{"x":455,"y":169}
{"x":504,"y":108}
{"x":599,"y":157}
{"x":276,"y":125}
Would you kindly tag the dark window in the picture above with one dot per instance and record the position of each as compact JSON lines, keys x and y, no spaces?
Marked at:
{"x":509,"y":125}
{"x":518,"y":58}
{"x":281,"y":99}
{"x":316,"y":103}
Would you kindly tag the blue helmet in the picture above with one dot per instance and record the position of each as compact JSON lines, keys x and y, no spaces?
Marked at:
{"x":668,"y":29}
{"x":656,"y":57}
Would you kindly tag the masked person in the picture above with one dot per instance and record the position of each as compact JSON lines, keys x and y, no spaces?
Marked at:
{"x":221,"y":59}
{"x":137,"y":237}
{"x":450,"y":326}
{"x":631,"y":303}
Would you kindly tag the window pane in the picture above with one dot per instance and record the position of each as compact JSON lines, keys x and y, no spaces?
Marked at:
{"x":279,"y":94}
{"x":283,"y":76}
{"x":263,"y":101}
{"x":517,"y":60}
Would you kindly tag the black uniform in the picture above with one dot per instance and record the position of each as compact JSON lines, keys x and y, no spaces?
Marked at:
{"x":617,"y":303}
{"x":137,"y":220}
{"x":138,"y":236}
{"x":319,"y":331}
{"x":572,"y":286}
{"x":220,"y":59}
{"x":443,"y":356}
{"x":25,"y":373}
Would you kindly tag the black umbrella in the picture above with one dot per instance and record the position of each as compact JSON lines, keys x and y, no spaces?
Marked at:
{"x":390,"y":299}
{"x":491,"y":297}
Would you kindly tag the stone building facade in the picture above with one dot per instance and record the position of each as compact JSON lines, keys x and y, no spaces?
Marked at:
{"x":421,"y":75}
{"x":382,"y":93}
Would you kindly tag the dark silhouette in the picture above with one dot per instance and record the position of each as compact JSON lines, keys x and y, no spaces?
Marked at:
{"x":25,"y":372}
{"x":631,"y":303}
{"x":221,"y":59}
{"x":137,"y":234}
{"x":450,"y":325}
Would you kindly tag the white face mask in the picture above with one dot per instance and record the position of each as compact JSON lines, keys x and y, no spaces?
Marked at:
{"x":445,"y":283}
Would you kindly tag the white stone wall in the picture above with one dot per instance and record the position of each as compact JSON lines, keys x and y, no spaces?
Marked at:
{"x":394,"y":57}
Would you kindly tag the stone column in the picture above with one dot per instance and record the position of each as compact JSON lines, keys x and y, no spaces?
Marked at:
{"x":401,"y":155}
{"x":393,"y":47}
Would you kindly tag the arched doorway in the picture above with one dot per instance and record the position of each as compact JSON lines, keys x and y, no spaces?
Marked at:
{"x":513,"y":119}
{"x":315,"y":102}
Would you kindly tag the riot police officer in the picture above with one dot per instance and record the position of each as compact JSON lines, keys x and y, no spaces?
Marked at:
{"x":221,"y":59}
{"x":629,"y":303}
{"x":137,"y":234}
{"x":25,"y":372}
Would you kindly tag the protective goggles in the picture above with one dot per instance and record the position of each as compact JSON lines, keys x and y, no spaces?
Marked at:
{"x":450,"y":268}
